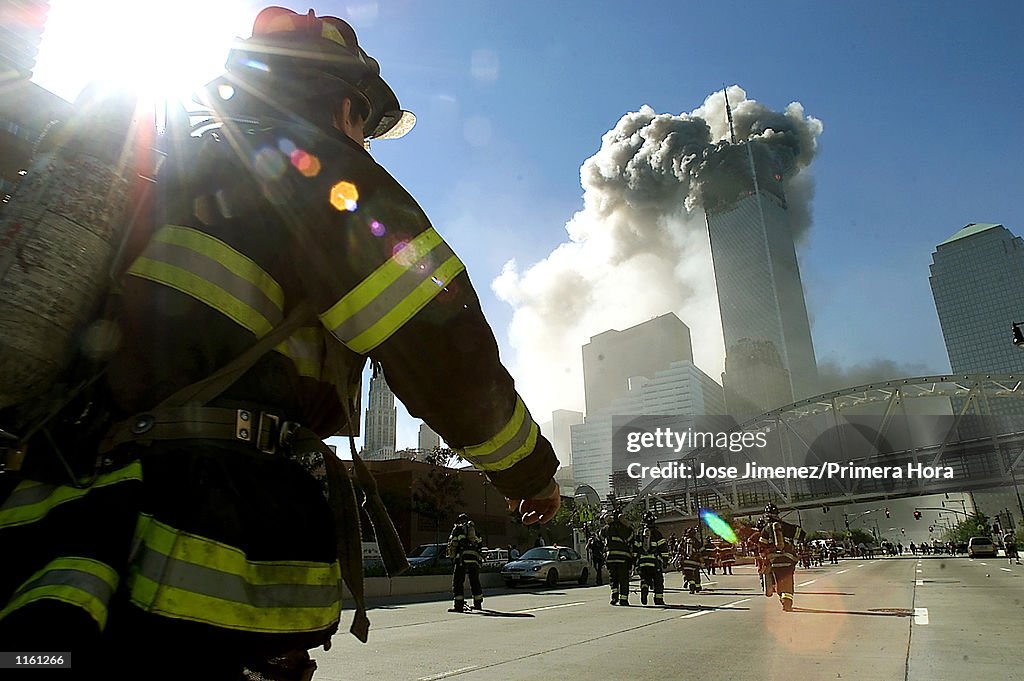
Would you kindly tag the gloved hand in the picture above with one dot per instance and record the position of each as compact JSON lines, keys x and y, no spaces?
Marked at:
{"x":539,"y":509}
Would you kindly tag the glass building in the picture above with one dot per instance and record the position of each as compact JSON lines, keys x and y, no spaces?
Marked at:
{"x":769,"y":355}
{"x":977,"y":280}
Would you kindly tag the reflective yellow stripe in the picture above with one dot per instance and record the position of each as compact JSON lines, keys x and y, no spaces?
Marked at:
{"x":184,"y":576}
{"x":513,"y":443}
{"x":82,"y":582}
{"x":215,"y":274}
{"x":31,"y":501}
{"x":380,"y":304}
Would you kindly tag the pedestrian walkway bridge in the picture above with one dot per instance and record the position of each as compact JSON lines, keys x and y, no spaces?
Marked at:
{"x":943,"y":433}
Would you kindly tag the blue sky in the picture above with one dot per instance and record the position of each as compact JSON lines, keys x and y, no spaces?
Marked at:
{"x":918,"y":102}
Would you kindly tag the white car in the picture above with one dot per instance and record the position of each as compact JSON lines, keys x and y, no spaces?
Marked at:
{"x":548,"y":564}
{"x":494,"y":557}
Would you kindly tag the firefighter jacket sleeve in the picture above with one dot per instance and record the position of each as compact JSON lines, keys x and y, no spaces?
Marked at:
{"x":386,"y":285}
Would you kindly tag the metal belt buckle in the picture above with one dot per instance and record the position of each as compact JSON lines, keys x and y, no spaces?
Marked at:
{"x":266,"y":439}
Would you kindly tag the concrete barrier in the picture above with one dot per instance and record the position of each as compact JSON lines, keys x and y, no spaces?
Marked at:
{"x":381,"y":587}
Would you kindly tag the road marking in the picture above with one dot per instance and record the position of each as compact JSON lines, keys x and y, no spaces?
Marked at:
{"x":549,"y":607}
{"x":861,"y":565}
{"x":695,"y":614}
{"x":984,"y":563}
{"x":919,"y":582}
{"x":720,"y":607}
{"x":842,"y":571}
{"x":920,"y":571}
{"x":806,"y":583}
{"x":447,"y":674}
{"x":920,"y":615}
{"x":1006,"y":569}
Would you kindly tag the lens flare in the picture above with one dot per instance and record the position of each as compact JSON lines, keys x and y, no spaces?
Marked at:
{"x":344,"y":196}
{"x":717,"y":525}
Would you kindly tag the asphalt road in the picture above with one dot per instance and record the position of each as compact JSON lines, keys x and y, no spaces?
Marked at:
{"x":911,"y":619}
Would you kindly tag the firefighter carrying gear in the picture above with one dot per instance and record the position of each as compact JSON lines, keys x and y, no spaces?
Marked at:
{"x":618,"y":539}
{"x":227,"y":547}
{"x":778,"y":541}
{"x":464,"y":549}
{"x":690,"y":559}
{"x":649,"y":546}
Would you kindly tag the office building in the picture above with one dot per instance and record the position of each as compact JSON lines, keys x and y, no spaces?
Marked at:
{"x":381,"y":419}
{"x":681,"y":389}
{"x":768,"y":349}
{"x":611,"y":358}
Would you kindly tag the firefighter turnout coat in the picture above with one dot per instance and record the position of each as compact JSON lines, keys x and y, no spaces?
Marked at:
{"x":230,"y":537}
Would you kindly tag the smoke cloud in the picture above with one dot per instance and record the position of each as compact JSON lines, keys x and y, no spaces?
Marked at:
{"x":639,"y":247}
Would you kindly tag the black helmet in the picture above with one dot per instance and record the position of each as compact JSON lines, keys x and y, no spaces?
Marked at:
{"x":771,"y":510}
{"x":648,"y":518}
{"x":285,"y":44}
{"x":463,"y":518}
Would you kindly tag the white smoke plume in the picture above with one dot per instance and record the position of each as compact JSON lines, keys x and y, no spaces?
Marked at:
{"x":639,"y":247}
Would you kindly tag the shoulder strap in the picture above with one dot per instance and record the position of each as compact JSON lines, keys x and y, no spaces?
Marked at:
{"x":201,"y":392}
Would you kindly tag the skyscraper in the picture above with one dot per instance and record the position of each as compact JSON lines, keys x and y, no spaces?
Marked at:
{"x":977,"y":279}
{"x":611,"y":358}
{"x":768,"y":350}
{"x":646,"y":369}
{"x":21,"y":31}
{"x":381,"y":415}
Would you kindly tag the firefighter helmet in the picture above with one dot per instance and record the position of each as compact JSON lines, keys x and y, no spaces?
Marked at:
{"x":285,"y":44}
{"x":771,"y":510}
{"x":463,"y":518}
{"x":648,"y":518}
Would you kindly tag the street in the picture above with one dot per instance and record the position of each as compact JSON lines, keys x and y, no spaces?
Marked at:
{"x":913,"y":618}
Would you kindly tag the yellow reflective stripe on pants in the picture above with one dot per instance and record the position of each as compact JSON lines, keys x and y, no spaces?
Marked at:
{"x":184,"y":576}
{"x":512,"y":443}
{"x":82,"y":582}
{"x":380,"y":304}
{"x":31,"y":501}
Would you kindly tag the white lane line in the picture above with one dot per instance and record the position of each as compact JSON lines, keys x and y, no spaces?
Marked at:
{"x":711,"y":582}
{"x":720,"y":607}
{"x":984,"y":563}
{"x":919,"y":582}
{"x":1006,"y":569}
{"x":861,"y":565}
{"x":550,"y":607}
{"x":444,"y":675}
{"x":806,"y":583}
{"x":842,"y":571}
{"x":920,"y":571}
{"x":920,"y":615}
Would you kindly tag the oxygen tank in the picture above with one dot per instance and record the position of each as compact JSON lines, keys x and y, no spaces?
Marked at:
{"x":59,"y":235}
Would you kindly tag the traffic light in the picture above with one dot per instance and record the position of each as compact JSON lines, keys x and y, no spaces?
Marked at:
{"x":917,"y":515}
{"x":886,"y":511}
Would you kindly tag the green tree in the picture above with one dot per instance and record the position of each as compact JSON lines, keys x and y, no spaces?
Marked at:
{"x":977,"y":525}
{"x":436,"y":496}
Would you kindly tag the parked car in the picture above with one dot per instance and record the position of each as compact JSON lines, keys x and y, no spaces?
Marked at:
{"x":494,"y":557}
{"x":981,"y":547}
{"x":548,"y":564}
{"x":429,"y":554}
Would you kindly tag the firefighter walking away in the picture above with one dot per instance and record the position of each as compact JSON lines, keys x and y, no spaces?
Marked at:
{"x":464,"y":549}
{"x":208,"y":541}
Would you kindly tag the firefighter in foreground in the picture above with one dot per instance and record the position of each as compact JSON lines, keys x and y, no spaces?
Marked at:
{"x":202,"y":547}
{"x":777,"y":542}
{"x":464,"y":549}
{"x":649,"y":547}
{"x":618,"y":541}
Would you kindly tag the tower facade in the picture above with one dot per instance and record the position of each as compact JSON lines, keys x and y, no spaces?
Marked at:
{"x":769,"y":354}
{"x":611,"y":358}
{"x":977,"y":280}
{"x":381,"y":416}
